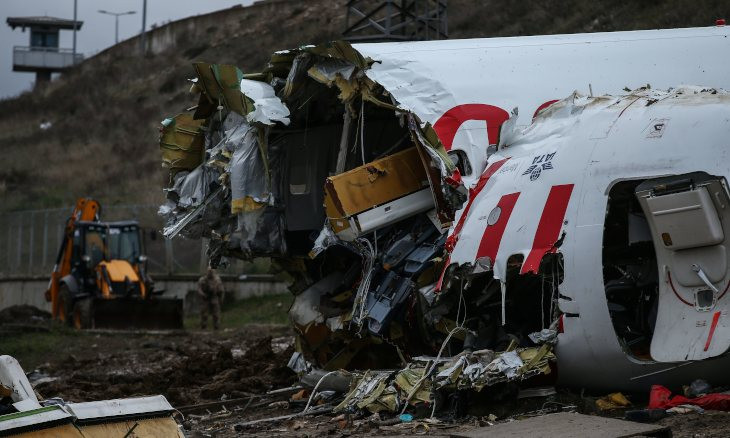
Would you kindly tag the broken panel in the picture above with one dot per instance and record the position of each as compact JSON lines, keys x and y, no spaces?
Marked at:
{"x":350,"y":195}
{"x":181,"y":143}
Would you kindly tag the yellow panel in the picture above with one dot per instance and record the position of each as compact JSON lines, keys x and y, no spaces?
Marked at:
{"x":119,"y":270}
{"x":336,"y":223}
{"x":148,"y":428}
{"x":374,"y":183}
{"x":63,"y":431}
{"x":181,"y":143}
{"x":222,"y":84}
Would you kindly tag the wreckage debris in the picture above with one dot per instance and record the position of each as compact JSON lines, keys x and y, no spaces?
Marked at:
{"x":661,"y":398}
{"x":244,"y":167}
{"x":418,"y":383}
{"x":325,"y":164}
{"x":22,"y":413}
{"x":615,"y":400}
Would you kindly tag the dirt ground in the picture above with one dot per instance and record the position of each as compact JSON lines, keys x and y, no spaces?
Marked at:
{"x":186,"y":367}
{"x":221,"y":380}
{"x":711,"y":424}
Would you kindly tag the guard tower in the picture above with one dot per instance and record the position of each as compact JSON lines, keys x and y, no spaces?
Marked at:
{"x":42,"y":55}
{"x":395,"y":20}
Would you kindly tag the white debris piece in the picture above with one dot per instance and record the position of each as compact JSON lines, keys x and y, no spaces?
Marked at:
{"x":544,"y":336}
{"x":268,"y":107}
{"x":507,"y":363}
{"x":13,"y":378}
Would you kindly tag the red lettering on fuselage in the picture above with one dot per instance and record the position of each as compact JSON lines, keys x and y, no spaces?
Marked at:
{"x":447,"y":125}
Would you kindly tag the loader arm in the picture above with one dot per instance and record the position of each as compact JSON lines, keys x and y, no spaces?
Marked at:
{"x":86,"y":209}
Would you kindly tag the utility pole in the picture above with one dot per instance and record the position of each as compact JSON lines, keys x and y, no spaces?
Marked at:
{"x":116,"y":21}
{"x":74,"y":48}
{"x":143,"y":49}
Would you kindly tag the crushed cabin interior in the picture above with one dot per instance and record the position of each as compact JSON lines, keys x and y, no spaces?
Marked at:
{"x":327,"y":137}
{"x":475,"y":301}
{"x":349,"y":163}
{"x":402,"y":253}
{"x":397,"y":314}
{"x":310,"y":147}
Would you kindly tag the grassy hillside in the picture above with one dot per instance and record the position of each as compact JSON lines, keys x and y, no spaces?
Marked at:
{"x":106,"y":112}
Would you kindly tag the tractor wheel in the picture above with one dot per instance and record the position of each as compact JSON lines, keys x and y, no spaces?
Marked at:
{"x":82,"y":314}
{"x":65,"y":304}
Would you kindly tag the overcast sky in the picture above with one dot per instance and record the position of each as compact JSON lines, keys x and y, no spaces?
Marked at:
{"x":97,"y":32}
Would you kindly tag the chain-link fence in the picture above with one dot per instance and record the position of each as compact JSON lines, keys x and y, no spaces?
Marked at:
{"x":30,"y":242}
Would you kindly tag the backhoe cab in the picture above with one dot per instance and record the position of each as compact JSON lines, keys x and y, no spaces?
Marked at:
{"x":100,"y":278}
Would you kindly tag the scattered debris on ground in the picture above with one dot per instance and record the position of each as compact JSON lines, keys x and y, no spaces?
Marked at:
{"x":23,"y":314}
{"x":237,"y":382}
{"x":24,"y":415}
{"x":187,"y":368}
{"x":400,"y":287}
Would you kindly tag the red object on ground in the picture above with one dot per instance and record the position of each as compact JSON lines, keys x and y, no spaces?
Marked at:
{"x":720,"y":22}
{"x":661,"y":398}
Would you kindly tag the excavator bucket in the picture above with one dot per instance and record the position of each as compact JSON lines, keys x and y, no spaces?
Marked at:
{"x":131,"y":313}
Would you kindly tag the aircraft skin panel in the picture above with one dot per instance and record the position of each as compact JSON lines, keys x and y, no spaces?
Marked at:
{"x":451,"y":82}
{"x":548,"y":229}
{"x":628,"y":150}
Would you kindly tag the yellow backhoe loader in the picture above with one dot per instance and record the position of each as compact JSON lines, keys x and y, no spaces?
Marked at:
{"x":100,"y":278}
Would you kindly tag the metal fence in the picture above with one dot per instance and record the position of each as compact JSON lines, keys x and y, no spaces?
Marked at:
{"x":30,"y":241}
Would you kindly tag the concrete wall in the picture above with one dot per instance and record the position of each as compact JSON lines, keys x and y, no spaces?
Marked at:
{"x":31,"y":290}
{"x":24,"y":291}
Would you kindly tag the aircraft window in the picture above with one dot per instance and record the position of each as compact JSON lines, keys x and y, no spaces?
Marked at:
{"x":630,"y":274}
{"x":461,"y":161}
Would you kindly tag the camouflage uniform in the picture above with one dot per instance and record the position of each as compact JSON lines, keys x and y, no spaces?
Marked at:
{"x":210,"y":290}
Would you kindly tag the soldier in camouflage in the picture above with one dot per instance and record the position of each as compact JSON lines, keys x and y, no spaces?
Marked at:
{"x":210,"y":290}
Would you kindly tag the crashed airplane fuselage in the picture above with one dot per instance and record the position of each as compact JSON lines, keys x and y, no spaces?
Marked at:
{"x":623,"y":202}
{"x":415,"y":217}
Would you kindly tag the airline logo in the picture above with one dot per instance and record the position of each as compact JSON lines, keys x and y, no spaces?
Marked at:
{"x":539,"y":163}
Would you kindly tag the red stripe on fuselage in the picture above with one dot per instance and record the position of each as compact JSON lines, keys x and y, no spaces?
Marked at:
{"x":715,"y":318}
{"x":548,"y":229}
{"x":473,"y":192}
{"x":493,"y":233}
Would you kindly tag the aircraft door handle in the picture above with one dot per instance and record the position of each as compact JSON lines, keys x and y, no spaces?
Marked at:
{"x":703,"y":277}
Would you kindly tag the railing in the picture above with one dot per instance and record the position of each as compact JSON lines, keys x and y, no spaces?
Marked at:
{"x":53,"y":58}
{"x":30,"y":240}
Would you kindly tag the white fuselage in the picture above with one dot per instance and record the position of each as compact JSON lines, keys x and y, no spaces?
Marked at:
{"x":594,"y":143}
{"x":466,"y":90}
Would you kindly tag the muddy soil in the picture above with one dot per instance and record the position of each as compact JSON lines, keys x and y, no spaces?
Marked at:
{"x":23,"y":314}
{"x":187,"y":367}
{"x":218,"y":380}
{"x":711,"y":424}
